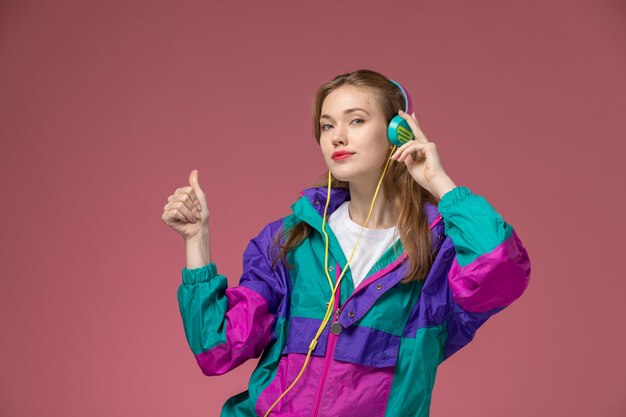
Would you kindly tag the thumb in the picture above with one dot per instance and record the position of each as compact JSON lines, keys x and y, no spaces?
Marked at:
{"x":193,"y":181}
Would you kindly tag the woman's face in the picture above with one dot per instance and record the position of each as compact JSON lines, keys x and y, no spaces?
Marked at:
{"x":352,"y":120}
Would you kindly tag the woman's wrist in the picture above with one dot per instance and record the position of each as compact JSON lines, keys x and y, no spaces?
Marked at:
{"x":198,"y":253}
{"x":442,"y":185}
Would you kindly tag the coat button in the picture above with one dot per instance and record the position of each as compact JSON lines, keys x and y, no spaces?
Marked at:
{"x":379,"y":286}
{"x":317,"y":203}
{"x":331,"y":268}
{"x":336,"y":327}
{"x":351,"y":314}
{"x":439,"y":237}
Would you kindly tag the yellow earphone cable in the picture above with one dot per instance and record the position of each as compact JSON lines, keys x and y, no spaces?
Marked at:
{"x":331,"y":304}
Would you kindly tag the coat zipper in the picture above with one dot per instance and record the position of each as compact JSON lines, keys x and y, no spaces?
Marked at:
{"x":332,"y":338}
{"x":330,"y":349}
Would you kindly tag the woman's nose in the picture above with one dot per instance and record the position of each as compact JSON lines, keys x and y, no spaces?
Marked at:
{"x":339,"y":138}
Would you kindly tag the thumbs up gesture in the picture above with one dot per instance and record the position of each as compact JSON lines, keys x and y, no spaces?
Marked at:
{"x":186,"y":210}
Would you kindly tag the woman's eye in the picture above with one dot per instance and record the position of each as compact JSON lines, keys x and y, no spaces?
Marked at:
{"x":361,"y":120}
{"x":324,"y":126}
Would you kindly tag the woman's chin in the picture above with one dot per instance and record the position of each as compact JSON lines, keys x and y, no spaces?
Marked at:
{"x":339,"y":174}
{"x":342,"y":176}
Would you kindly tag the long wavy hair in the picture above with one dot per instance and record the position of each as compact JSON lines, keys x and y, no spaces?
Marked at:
{"x":400,"y":189}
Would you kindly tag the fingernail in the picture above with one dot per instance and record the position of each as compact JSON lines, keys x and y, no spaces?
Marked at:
{"x":198,"y":215}
{"x":199,"y":207}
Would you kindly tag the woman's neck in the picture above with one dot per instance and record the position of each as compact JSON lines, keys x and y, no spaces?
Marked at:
{"x":384,"y":214}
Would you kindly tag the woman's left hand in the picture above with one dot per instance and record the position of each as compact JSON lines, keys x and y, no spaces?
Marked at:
{"x":422,"y":160}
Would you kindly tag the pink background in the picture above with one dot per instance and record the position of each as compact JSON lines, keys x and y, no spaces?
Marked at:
{"x":106,"y":106}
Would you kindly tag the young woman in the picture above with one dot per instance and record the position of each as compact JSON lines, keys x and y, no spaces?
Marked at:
{"x":383,"y":270}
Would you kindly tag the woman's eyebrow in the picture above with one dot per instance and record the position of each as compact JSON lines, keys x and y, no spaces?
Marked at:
{"x":353,"y":109}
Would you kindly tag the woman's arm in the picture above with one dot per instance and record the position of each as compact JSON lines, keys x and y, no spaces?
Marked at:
{"x":227,"y":326}
{"x":491,"y":267}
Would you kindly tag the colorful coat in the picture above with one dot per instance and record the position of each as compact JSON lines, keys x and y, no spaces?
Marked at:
{"x":393,"y":337}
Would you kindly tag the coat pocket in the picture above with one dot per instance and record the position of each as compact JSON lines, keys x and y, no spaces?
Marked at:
{"x":298,"y":401}
{"x":367,"y":346}
{"x":360,"y":374}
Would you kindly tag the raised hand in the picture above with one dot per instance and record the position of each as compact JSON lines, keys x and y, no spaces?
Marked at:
{"x":186,"y":210}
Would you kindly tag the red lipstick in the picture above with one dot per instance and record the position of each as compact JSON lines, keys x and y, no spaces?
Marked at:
{"x":339,"y":155}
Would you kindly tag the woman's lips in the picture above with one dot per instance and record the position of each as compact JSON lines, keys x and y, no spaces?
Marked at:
{"x":340,"y":157}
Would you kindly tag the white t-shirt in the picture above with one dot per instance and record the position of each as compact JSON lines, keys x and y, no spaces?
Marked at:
{"x":372,"y":245}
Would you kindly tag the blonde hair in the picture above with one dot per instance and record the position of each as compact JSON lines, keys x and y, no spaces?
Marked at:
{"x":399,"y":187}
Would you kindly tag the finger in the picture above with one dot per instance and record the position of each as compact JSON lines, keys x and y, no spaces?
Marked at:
{"x":193,"y":181}
{"x":170,"y":216}
{"x":417,"y":132}
{"x":195,"y":199}
{"x":192,"y":194}
{"x":413,"y":148}
{"x":186,"y":199}
{"x":400,"y":148}
{"x":416,"y":121}
{"x":412,"y":116}
{"x":411,"y":159}
{"x":182,"y":208}
{"x":177,"y":215}
{"x":187,"y":190}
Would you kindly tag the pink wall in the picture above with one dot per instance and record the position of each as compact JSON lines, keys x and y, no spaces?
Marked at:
{"x":105,"y":108}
